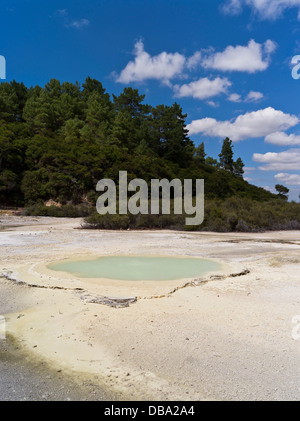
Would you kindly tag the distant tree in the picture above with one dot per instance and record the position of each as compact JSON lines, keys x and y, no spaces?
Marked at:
{"x":13,"y":97}
{"x":58,"y":141}
{"x":72,"y":129}
{"x":219,"y":184}
{"x":131,"y":120}
{"x":93,"y":86}
{"x":226,"y":155}
{"x":282,"y":191}
{"x":169,"y":136}
{"x":211,"y":161}
{"x":200,"y":154}
{"x":131,"y":101}
{"x":143,"y":148}
{"x":8,"y":181}
{"x":43,"y":111}
{"x":238,"y":167}
{"x":99,"y":117}
{"x":32,"y":109}
{"x":123,"y":131}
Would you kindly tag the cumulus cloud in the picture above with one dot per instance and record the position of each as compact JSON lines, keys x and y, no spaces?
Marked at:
{"x":252,"y":58}
{"x":279,"y":161}
{"x":290,"y":179}
{"x":266,"y":9}
{"x":250,"y":125}
{"x":252,"y":96}
{"x":194,"y":60}
{"x":203,"y":88}
{"x":164,"y":66}
{"x":283,"y":139}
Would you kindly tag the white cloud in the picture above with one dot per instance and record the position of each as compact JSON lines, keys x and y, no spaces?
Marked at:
{"x":81,"y":23}
{"x":251,"y":97}
{"x":254,"y":96}
{"x":281,"y":161}
{"x":203,"y":88}
{"x":213,"y":104}
{"x":164,"y":66}
{"x":250,"y":125}
{"x":283,"y":139}
{"x":290,"y":179}
{"x":235,"y":98}
{"x":252,"y":58}
{"x":194,"y":60}
{"x":232,"y":7}
{"x":266,"y":9}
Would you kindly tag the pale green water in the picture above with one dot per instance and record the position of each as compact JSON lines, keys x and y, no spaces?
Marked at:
{"x":136,"y":268}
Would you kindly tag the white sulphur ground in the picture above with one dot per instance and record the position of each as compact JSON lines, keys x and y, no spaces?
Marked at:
{"x":227,"y":339}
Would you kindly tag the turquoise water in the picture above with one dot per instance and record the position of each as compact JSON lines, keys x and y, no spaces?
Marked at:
{"x":135,"y":268}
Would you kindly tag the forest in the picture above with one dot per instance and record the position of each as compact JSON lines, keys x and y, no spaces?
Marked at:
{"x":58,"y":141}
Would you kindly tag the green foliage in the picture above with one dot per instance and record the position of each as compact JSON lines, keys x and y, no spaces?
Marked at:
{"x":66,"y":211}
{"x":211,"y":161}
{"x":238,"y":167}
{"x":13,"y":96}
{"x":226,"y":159}
{"x":233,"y":214}
{"x":282,"y":191}
{"x":122,"y":222}
{"x":226,"y":155}
{"x":200,"y":154}
{"x":57,"y":142}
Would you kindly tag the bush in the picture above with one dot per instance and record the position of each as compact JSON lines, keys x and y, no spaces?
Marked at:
{"x":234,"y":214}
{"x":230,"y":215}
{"x":65,"y":211}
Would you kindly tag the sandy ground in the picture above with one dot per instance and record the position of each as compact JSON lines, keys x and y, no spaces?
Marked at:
{"x":220,"y":337}
{"x":23,"y":377}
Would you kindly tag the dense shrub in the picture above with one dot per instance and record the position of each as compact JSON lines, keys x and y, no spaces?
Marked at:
{"x":68,"y":211}
{"x":229,"y":215}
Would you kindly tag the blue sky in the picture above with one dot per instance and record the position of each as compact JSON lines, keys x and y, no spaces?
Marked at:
{"x":227,"y":63}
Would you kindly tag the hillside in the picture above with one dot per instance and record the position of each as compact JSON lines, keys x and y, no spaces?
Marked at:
{"x":57,"y":142}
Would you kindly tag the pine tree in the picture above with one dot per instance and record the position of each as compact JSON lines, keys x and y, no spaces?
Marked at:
{"x":226,"y":155}
{"x":238,"y":167}
{"x":169,"y":136}
{"x":200,"y":154}
{"x":282,"y":191}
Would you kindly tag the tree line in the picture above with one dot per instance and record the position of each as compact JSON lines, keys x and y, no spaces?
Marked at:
{"x":58,"y":141}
